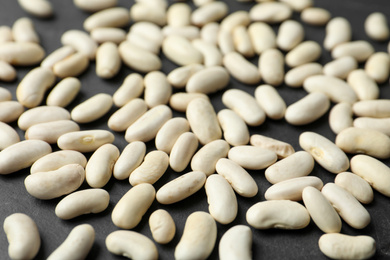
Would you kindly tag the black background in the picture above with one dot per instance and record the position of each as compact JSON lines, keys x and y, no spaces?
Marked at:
{"x":267,"y":244}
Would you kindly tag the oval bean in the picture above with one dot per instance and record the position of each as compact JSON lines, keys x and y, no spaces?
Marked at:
{"x":81,"y":42}
{"x":179,"y":101}
{"x":170,"y":132}
{"x":240,"y":68}
{"x":108,"y":61}
{"x":340,"y":67}
{"x":290,"y":34}
{"x":179,"y":77}
{"x":252,"y":157}
{"x":110,"y":17}
{"x":137,"y":58}
{"x":355,"y":185}
{"x":38,"y":8}
{"x":208,"y":80}
{"x":235,"y":131}
{"x":92,"y":109}
{"x":110,"y":34}
{"x":131,"y":88}
{"x":57,"y":55}
{"x":72,"y":66}
{"x":8,"y":136}
{"x":340,"y":117}
{"x":157,"y":89}
{"x":182,"y":151}
{"x":262,"y":36}
{"x":338,"y":30}
{"x":181,"y":51}
{"x":94,"y":5}
{"x":64,"y":92}
{"x":162,"y":226}
{"x":376,"y":26}
{"x":236,"y":243}
{"x":124,"y":117}
{"x":315,"y":16}
{"x":378,"y":67}
{"x":21,"y":53}
{"x":271,"y":67}
{"x":270,"y":12}
{"x":364,"y":87}
{"x":85,"y":141}
{"x":378,"y":124}
{"x":360,"y":50}
{"x":55,"y":160}
{"x":305,"y":52}
{"x":281,"y":148}
{"x":130,"y":158}
{"x":51,"y":131}
{"x":296,"y":76}
{"x":10,"y":111}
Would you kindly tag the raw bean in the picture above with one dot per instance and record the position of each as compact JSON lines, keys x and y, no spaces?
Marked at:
{"x":85,"y":141}
{"x":109,"y":34}
{"x":252,"y":157}
{"x":360,"y":50}
{"x":51,"y":131}
{"x":347,"y":206}
{"x":130,"y":158}
{"x":338,"y":30}
{"x":64,"y":92}
{"x":199,"y":236}
{"x":98,"y":170}
{"x":240,"y":180}
{"x":22,"y":235}
{"x":209,"y":33}
{"x":296,"y":76}
{"x":206,"y":158}
{"x":291,"y":189}
{"x":341,"y":67}
{"x":179,"y":77}
{"x":8,"y":136}
{"x":203,"y":120}
{"x":144,"y":11}
{"x":208,"y":80}
{"x":208,"y":13}
{"x":54,"y":161}
{"x":124,"y":117}
{"x":23,"y":31}
{"x":305,"y":52}
{"x":21,"y":53}
{"x":81,"y":42}
{"x":181,"y":188}
{"x":270,"y":12}
{"x":241,"y":69}
{"x":340,"y":117}
{"x":82,"y":202}
{"x":325,"y":152}
{"x":281,"y":149}
{"x":138,"y":59}
{"x":37,"y":8}
{"x":131,"y":88}
{"x":212,"y":55}
{"x":242,"y":41}
{"x":72,"y":66}
{"x":340,"y":246}
{"x":321,"y":211}
{"x":336,"y":89}
{"x":298,"y":5}
{"x":170,"y":132}
{"x":262,"y":36}
{"x":378,"y":124}
{"x":181,"y":51}
{"x":148,"y":30}
{"x":157,"y":89}
{"x":372,"y":108}
{"x":146,"y":127}
{"x":54,"y":184}
{"x":235,"y":131}
{"x":131,"y":244}
{"x":376,"y":26}
{"x":221,"y":199}
{"x":290,"y":34}
{"x":235,"y":19}
{"x":308,"y":109}
{"x":94,"y":5}
{"x":143,"y":42}
{"x":236,"y":243}
{"x":225,"y":41}
{"x":182,"y":151}
{"x":5,"y":34}
{"x":298,"y":164}
{"x":315,"y":16}
{"x":5,"y":94}
{"x":178,"y":15}
{"x":108,"y":61}
{"x":283,"y":214}
{"x":57,"y":55}
{"x":77,"y":244}
{"x":375,"y":172}
{"x":355,"y":185}
{"x":130,"y":209}
{"x":367,"y":141}
{"x":189,"y":32}
{"x":151,"y":169}
{"x":179,"y":101}
{"x":10,"y":111}
{"x":92,"y":109}
{"x":378,"y":67}
{"x":31,"y":90}
{"x":110,"y":17}
{"x":364,"y":87}
{"x":271,"y":67}
{"x":162,"y":226}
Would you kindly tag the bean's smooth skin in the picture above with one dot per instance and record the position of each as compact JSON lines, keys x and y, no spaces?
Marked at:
{"x":57,"y":55}
{"x":376,"y":26}
{"x":221,"y":198}
{"x":64,"y":92}
{"x":181,"y":51}
{"x":262,"y":36}
{"x":341,"y":67}
{"x":179,"y":101}
{"x":142,"y":12}
{"x":209,"y":33}
{"x":235,"y":131}
{"x":305,"y":52}
{"x":341,"y":246}
{"x":82,"y":202}
{"x":146,"y":127}
{"x":283,"y":214}
{"x":212,"y":12}
{"x":315,"y":16}
{"x":149,"y":30}
{"x":356,"y":185}
{"x":296,"y":76}
{"x":80,"y":41}
{"x":242,"y":41}
{"x":10,"y":111}
{"x":236,"y":243}
{"x":131,"y":244}
{"x":130,"y":158}
{"x":375,"y":172}
{"x":205,"y":159}
{"x":130,"y":209}
{"x":21,"y":53}
{"x":364,"y":86}
{"x":108,"y":61}
{"x":325,"y":152}
{"x":338,"y":30}
{"x":208,"y":80}
{"x":22,"y":235}
{"x":92,"y":109}
{"x":225,"y":41}
{"x":180,"y":188}
{"x":270,"y":12}
{"x":162,"y":226}
{"x":124,"y":117}
{"x":76,"y":245}
{"x":182,"y":151}
{"x":110,"y":17}
{"x":298,"y":164}
{"x":23,"y":30}
{"x":137,"y":58}
{"x":31,"y":90}
{"x":37,"y":8}
{"x":94,"y":5}
{"x":85,"y":141}
{"x":157,"y":89}
{"x":110,"y":34}
{"x":298,"y":5}
{"x":199,"y":237}
{"x":8,"y":136}
{"x":50,"y":131}
{"x":5,"y":94}
{"x":347,"y":206}
{"x":170,"y":132}
{"x":340,"y":117}
{"x":290,"y":34}
{"x":252,"y":157}
{"x":271,"y":67}
{"x":151,"y":169}
{"x":378,"y":67}
{"x":372,"y":108}
{"x":131,"y":88}
{"x":235,"y":19}
{"x":379,"y":124}
{"x":321,"y":211}
{"x":241,"y":69}
{"x":211,"y":54}
{"x":72,"y":66}
{"x":22,"y":155}
{"x":55,"y":160}
{"x":240,"y":180}
{"x":5,"y":34}
{"x":360,"y":50}
{"x":282,"y":149}
{"x":179,"y":15}
{"x":179,"y":77}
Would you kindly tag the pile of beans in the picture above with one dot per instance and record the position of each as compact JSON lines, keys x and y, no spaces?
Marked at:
{"x":207,"y":129}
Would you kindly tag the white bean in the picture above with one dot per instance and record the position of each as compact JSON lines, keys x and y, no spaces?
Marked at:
{"x":209,"y":32}
{"x":179,"y":101}
{"x":235,"y":19}
{"x":92,"y":109}
{"x":85,"y":141}
{"x":144,"y":11}
{"x":124,"y":117}
{"x":355,"y":185}
{"x":270,"y":12}
{"x":109,"y":34}
{"x":225,"y":41}
{"x":235,"y":131}
{"x":137,"y":58}
{"x":242,"y":41}
{"x":157,"y":89}
{"x":236,"y":243}
{"x":296,"y":76}
{"x":50,"y":131}
{"x":282,"y":149}
{"x":364,"y":87}
{"x":182,"y":151}
{"x":338,"y":30}
{"x":376,"y":26}
{"x":290,"y":34}
{"x":8,"y":135}
{"x":7,"y":71}
{"x":80,"y":41}
{"x":23,"y":31}
{"x":252,"y":157}
{"x":315,"y":16}
{"x":298,"y":5}
{"x":178,"y":15}
{"x":131,"y":88}
{"x":340,"y":117}
{"x":379,"y":124}
{"x":94,"y":5}
{"x":360,"y":50}
{"x":64,"y":92}
{"x":54,"y":161}
{"x":340,"y":67}
{"x":262,"y":36}
{"x":271,"y":67}
{"x":57,"y":55}
{"x":110,"y":17}
{"x":10,"y":111}
{"x":162,"y":226}
{"x":181,"y":51}
{"x":208,"y":80}
{"x":305,"y":52}
{"x":189,"y":32}
{"x":270,"y":101}
{"x":38,"y":8}
{"x":5,"y":34}
{"x":212,"y":55}
{"x":108,"y":61}
{"x":378,"y":108}
{"x":72,"y":66}
{"x":21,"y":53}
{"x":179,"y":77}
{"x":130,"y":158}
{"x":378,"y":67}
{"x":208,"y":13}
{"x":241,"y":69}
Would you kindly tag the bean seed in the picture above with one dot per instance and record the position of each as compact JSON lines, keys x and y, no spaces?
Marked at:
{"x":378,"y":67}
{"x":296,"y":76}
{"x":124,"y":117}
{"x":235,"y":131}
{"x":340,"y":67}
{"x":236,"y":243}
{"x":21,"y":53}
{"x":340,"y":117}
{"x":151,"y":169}
{"x":182,"y":151}
{"x":298,"y":5}
{"x":38,"y":8}
{"x":157,"y":89}
{"x":179,"y":101}
{"x":376,"y":26}
{"x":109,"y":34}
{"x":235,"y":19}
{"x":142,"y":11}
{"x":290,"y":34}
{"x":281,"y":148}
{"x":364,"y":87}
{"x":378,"y":124}
{"x":179,"y":77}
{"x":64,"y":92}
{"x":360,"y":50}
{"x":108,"y":61}
{"x":242,"y":41}
{"x":131,"y":88}
{"x":241,"y":69}
{"x":271,"y":67}
{"x":137,"y":58}
{"x":54,"y":161}
{"x":338,"y":30}
{"x":315,"y":16}
{"x":212,"y":12}
{"x":10,"y":111}
{"x":270,"y":12}
{"x":189,"y":32}
{"x":178,"y":15}
{"x":8,"y":136}
{"x":252,"y":157}
{"x":110,"y":17}
{"x":162,"y":226}
{"x":262,"y":36}
{"x":305,"y":52}
{"x":94,"y":5}
{"x":50,"y":131}
{"x":85,"y":141}
{"x":209,"y":32}
{"x":130,"y":158}
{"x":23,"y":31}
{"x":72,"y":66}
{"x":57,"y":55}
{"x":92,"y":109}
{"x":181,"y":51}
{"x":80,"y":41}
{"x":355,"y":185}
{"x":212,"y":55}
{"x":372,"y":108}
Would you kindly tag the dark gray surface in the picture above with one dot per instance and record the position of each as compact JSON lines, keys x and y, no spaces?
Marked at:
{"x":267,"y":244}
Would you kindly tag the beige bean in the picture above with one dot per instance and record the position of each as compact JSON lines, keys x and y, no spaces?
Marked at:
{"x":178,"y":15}
{"x":298,"y":5}
{"x":355,"y":185}
{"x":50,"y":131}
{"x":347,"y":206}
{"x":270,"y":101}
{"x":110,"y":17}
{"x":283,"y":214}
{"x":325,"y":152}
{"x":241,"y":69}
{"x":54,"y":184}
{"x":157,"y":89}
{"x":242,"y":41}
{"x":181,"y":188}
{"x":340,"y":67}
{"x":305,"y":52}
{"x":92,"y":109}
{"x":64,"y":92}
{"x":181,"y":51}
{"x":162,"y":226}
{"x":321,"y":211}
{"x":290,"y":34}
{"x":170,"y":132}
{"x":179,"y":77}
{"x":37,"y":8}
{"x":82,"y":202}
{"x":141,"y":41}
{"x":179,"y":101}
{"x":94,"y":5}
{"x":271,"y":67}
{"x":130,"y":158}
{"x":85,"y":141}
{"x":81,"y":42}
{"x":21,"y":53}
{"x":57,"y":55}
{"x":364,"y":87}
{"x":315,"y":16}
{"x":151,"y":169}
{"x":131,"y":88}
{"x":338,"y":30}
{"x":340,"y":117}
{"x":378,"y":124}
{"x":54,"y":161}
{"x":72,"y":66}
{"x":296,"y":76}
{"x":108,"y":61}
{"x":23,"y":31}
{"x":182,"y":151}
{"x":270,"y":12}
{"x":298,"y":164}
{"x":376,"y":26}
{"x":235,"y":131}
{"x":144,"y":11}
{"x":108,"y":34}
{"x":22,"y":235}
{"x":138,"y":59}
{"x":282,"y":149}
{"x":252,"y":157}
{"x":8,"y":136}
{"x":360,"y":50}
{"x":10,"y":111}
{"x":211,"y":54}
{"x":189,"y":32}
{"x":5,"y":34}
{"x":211,"y":12}
{"x":124,"y":117}
{"x":208,"y":80}
{"x":5,"y":94}
{"x":235,"y":19}
{"x":372,"y":108}
{"x":148,"y":30}
{"x":209,"y":32}
{"x":262,"y":36}
{"x":76,"y":245}
{"x":225,"y":41}
{"x":199,"y":237}
{"x":340,"y":246}
{"x":378,"y":67}
{"x":236,"y":243}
